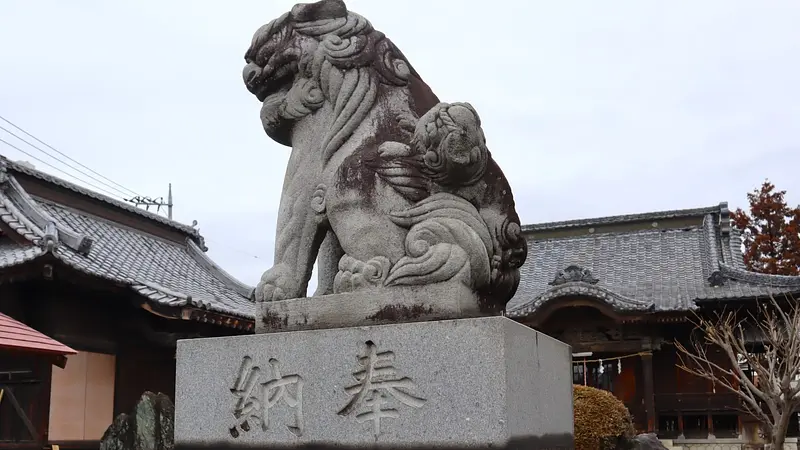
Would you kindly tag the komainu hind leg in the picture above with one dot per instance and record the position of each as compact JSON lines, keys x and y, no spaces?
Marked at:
{"x":330,"y":252}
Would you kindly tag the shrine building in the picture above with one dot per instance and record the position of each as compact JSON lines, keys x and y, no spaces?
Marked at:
{"x":94,"y":294}
{"x":620,"y":290}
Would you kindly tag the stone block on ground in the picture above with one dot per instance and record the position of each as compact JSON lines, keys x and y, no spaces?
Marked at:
{"x":648,"y":441}
{"x":148,"y":427}
{"x":443,"y":384}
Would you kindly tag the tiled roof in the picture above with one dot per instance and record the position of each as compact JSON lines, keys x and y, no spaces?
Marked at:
{"x":21,"y":168}
{"x":642,"y":268}
{"x":16,"y":335}
{"x":177,"y":274}
{"x":12,"y":253}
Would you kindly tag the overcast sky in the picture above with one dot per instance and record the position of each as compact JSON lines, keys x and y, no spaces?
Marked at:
{"x":591,"y":108}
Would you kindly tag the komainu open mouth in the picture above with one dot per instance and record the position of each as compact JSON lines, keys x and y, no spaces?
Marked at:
{"x":263,"y":82}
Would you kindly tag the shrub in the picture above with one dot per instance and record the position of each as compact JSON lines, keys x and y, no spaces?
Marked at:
{"x":602,"y":422}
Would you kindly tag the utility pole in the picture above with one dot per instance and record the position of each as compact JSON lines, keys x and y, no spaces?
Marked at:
{"x":169,"y":202}
{"x":159,"y":202}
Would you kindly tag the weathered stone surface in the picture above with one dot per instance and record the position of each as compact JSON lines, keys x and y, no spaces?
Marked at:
{"x":454,"y":383}
{"x":149,"y":427}
{"x":368,"y":307}
{"x":647,"y":441}
{"x":386,"y":186}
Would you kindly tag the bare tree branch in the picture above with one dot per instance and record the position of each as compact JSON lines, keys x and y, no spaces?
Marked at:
{"x":772,"y":356}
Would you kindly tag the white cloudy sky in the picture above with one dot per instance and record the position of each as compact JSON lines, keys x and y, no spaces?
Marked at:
{"x":591,"y":108}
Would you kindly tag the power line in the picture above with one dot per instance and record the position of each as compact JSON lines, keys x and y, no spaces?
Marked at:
{"x":137,"y":198}
{"x":56,"y":168}
{"x":64,"y":155}
{"x":228,"y":247}
{"x":120,"y":192}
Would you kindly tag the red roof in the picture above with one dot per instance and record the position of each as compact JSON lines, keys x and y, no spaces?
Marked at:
{"x":15,"y":335}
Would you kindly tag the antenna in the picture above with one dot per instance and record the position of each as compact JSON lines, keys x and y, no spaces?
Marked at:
{"x":159,"y":202}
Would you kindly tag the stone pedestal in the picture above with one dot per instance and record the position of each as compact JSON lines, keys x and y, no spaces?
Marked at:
{"x":466,"y":383}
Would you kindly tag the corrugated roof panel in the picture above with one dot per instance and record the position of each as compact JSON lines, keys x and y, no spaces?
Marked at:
{"x":15,"y":335}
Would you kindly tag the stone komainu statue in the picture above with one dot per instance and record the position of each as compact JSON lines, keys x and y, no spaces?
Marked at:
{"x":386,"y":186}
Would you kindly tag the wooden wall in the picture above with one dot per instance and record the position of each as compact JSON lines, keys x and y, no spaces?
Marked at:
{"x":28,"y":378}
{"x":665,"y":371}
{"x":141,"y":369}
{"x":118,"y":356}
{"x":82,"y":397}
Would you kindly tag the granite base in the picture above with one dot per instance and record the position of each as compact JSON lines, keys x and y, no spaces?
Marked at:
{"x":466,"y":383}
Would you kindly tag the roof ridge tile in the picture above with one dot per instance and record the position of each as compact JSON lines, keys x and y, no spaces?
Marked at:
{"x":48,"y":228}
{"x":625,"y":218}
{"x":52,"y":179}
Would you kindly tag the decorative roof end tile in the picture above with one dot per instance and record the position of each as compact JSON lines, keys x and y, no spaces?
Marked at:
{"x":716,"y":279}
{"x":573,"y":273}
{"x":41,"y":219}
{"x":724,"y":219}
{"x":49,"y":241}
{"x":85,"y":245}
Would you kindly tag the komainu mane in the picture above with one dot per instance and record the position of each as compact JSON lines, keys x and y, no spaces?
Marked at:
{"x":385,"y":186}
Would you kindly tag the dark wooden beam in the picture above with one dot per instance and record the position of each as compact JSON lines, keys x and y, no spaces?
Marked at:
{"x":44,"y":399}
{"x":540,"y":316}
{"x":219,"y":319}
{"x":20,"y":446}
{"x":649,"y":397}
{"x":9,"y":394}
{"x":607,"y":347}
{"x":60,"y":361}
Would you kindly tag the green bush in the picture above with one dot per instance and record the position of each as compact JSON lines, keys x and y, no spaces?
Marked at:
{"x":602,"y":422}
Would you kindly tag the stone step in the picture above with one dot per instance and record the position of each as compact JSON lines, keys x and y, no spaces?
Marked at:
{"x":670,"y":444}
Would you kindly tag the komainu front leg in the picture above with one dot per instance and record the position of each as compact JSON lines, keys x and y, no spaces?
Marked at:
{"x":299,"y":236}
{"x":277,"y":283}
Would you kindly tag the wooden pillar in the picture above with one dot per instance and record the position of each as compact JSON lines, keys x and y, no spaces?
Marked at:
{"x":649,"y":396}
{"x":739,"y":426}
{"x":46,"y":370}
{"x":711,"y":426}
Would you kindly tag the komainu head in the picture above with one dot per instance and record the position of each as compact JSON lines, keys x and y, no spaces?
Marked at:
{"x":305,"y":57}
